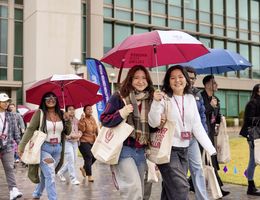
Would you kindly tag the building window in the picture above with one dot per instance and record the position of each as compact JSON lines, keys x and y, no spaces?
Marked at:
{"x":232,"y":103}
{"x":231,"y":18}
{"x":3,"y":41}
{"x":243,"y":99}
{"x":244,"y":51}
{"x":108,"y":37}
{"x":256,"y":62}
{"x":232,"y":46}
{"x":84,"y":32}
{"x":18,"y":45}
{"x":121,"y":33}
{"x":142,"y":5}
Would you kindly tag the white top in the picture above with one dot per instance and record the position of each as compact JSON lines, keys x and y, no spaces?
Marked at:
{"x":192,"y":120}
{"x":54,"y":130}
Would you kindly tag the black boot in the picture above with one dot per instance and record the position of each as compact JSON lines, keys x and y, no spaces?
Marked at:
{"x":191,"y":184}
{"x":224,"y":193}
{"x":251,"y":190}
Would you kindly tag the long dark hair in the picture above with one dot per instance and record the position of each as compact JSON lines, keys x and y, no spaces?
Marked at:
{"x":255,"y":94}
{"x":127,"y":87}
{"x":166,"y":82}
{"x":44,"y":108}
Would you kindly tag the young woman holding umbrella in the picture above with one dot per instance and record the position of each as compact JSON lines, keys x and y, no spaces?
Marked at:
{"x":176,"y":93}
{"x":136,"y":90}
{"x":56,"y":125}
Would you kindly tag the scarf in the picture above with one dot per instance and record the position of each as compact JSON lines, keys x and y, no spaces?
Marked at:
{"x":137,"y":119}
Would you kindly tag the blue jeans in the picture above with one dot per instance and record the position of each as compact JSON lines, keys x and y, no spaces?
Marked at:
{"x":129,"y":173}
{"x":48,"y":170}
{"x":70,"y":159}
{"x":251,"y":163}
{"x":195,"y":167}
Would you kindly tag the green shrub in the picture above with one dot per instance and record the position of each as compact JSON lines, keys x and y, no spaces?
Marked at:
{"x":241,"y":115}
{"x":230,"y":122}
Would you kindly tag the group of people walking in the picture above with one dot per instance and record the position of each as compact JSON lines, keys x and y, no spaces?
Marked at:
{"x":196,"y":114}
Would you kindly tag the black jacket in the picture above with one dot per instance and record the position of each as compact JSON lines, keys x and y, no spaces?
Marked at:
{"x":251,"y":116}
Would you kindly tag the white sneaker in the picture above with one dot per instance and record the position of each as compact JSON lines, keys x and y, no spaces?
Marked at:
{"x":62,"y":178}
{"x":75,"y":182}
{"x":15,"y":193}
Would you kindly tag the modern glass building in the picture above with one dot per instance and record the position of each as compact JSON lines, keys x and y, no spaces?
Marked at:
{"x":37,"y":35}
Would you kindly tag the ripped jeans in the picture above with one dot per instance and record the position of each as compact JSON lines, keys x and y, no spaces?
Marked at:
{"x":53,"y":152}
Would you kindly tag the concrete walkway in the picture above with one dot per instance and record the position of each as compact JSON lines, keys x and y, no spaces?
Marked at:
{"x":101,"y":189}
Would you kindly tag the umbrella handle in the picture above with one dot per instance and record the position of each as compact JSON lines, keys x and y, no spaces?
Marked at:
{"x":156,"y":65}
{"x":120,"y":71}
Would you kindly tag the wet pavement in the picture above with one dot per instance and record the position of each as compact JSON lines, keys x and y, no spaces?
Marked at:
{"x":101,"y":189}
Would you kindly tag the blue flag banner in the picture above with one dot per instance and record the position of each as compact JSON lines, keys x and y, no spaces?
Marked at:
{"x":98,"y":75}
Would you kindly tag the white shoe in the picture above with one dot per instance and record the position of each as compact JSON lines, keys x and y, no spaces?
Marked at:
{"x":62,"y":178}
{"x":75,"y":182}
{"x":15,"y":193}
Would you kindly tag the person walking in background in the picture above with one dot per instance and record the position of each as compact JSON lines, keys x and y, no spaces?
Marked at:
{"x":136,"y":90}
{"x":183,"y":110}
{"x":9,"y":132}
{"x":56,"y":125}
{"x":71,"y":148}
{"x":213,"y":116}
{"x":251,"y":118}
{"x":21,"y":127}
{"x":197,"y":179}
{"x":88,"y":126}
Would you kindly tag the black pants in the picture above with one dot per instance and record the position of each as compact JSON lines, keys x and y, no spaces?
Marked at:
{"x":88,"y":157}
{"x":175,"y":185}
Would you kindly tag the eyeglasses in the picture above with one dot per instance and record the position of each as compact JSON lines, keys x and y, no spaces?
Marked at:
{"x":53,"y":98}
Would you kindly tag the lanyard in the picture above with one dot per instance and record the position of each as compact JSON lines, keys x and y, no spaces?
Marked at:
{"x":181,"y":113}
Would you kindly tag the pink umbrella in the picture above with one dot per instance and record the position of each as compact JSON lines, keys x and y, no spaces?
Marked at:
{"x":154,"y":49}
{"x":22,"y":109}
{"x":28,"y":115}
{"x":69,"y":88}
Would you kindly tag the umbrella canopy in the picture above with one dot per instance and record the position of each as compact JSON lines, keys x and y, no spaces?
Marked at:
{"x":22,"y":109}
{"x":154,"y":49}
{"x":28,"y":115}
{"x":219,"y":61}
{"x":69,"y":88}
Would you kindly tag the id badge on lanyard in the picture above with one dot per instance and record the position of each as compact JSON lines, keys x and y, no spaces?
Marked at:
{"x":185,"y":135}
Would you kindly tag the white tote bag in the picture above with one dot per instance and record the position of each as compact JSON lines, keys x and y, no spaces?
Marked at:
{"x":32,"y":150}
{"x":153,"y":173}
{"x":109,"y":142}
{"x":161,"y":142}
{"x":223,"y":148}
{"x":210,"y":177}
{"x":257,"y":151}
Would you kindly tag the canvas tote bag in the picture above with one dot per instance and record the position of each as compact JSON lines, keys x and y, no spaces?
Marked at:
{"x":223,"y":148}
{"x":153,"y":173}
{"x":32,"y":150}
{"x":161,"y":141}
{"x":257,"y":151}
{"x":109,"y":142}
{"x":210,"y":176}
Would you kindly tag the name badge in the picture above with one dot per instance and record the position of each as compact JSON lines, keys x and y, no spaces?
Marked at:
{"x":54,"y":140}
{"x":185,"y":135}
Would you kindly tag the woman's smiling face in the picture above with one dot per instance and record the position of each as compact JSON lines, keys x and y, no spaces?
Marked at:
{"x":177,"y":82}
{"x":139,"y":81}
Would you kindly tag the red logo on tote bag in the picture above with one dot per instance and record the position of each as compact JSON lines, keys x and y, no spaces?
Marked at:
{"x":109,"y":135}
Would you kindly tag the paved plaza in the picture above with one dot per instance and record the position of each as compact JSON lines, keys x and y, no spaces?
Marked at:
{"x":101,"y":189}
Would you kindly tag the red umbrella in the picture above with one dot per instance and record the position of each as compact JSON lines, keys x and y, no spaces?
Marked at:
{"x":22,"y":109}
{"x":28,"y":115}
{"x":154,"y":49}
{"x":69,"y":88}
